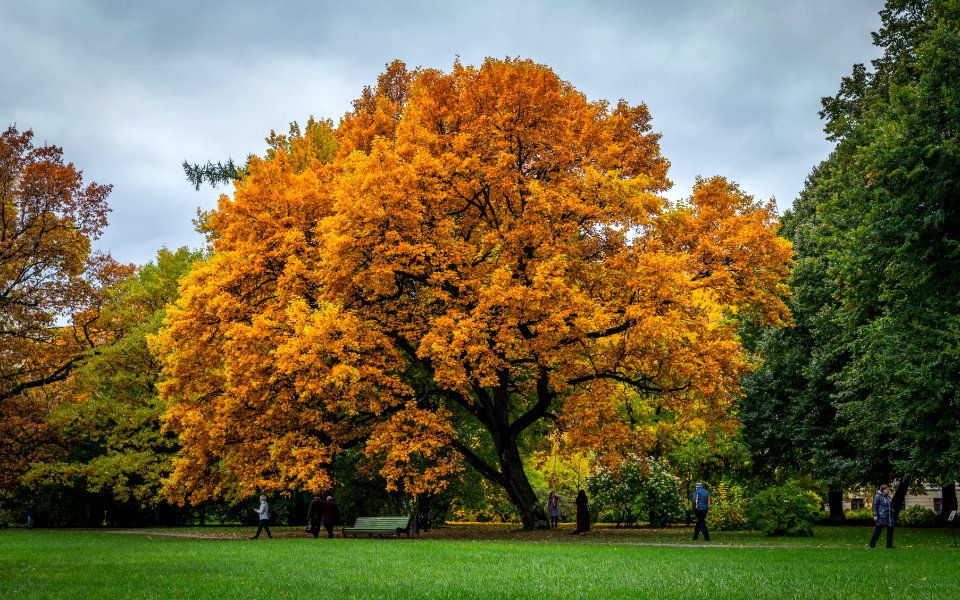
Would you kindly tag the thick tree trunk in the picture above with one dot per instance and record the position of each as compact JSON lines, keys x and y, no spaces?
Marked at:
{"x":835,"y":502}
{"x":299,"y":516}
{"x":515,"y":482}
{"x":492,"y":409}
{"x":512,"y":478}
{"x":423,"y":506}
{"x":898,"y":497}
{"x":948,"y":500}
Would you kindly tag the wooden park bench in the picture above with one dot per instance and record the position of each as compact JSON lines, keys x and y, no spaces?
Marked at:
{"x":372,"y":526}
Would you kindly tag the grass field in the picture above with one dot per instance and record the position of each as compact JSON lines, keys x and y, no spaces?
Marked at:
{"x":473,"y":562}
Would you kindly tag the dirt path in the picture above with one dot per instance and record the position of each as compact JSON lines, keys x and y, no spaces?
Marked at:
{"x":630,"y":537}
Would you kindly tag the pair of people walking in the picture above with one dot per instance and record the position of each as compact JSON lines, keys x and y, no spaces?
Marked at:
{"x":325,"y":513}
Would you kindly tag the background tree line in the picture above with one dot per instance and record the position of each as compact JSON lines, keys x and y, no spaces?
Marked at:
{"x":864,"y":389}
{"x":469,"y":288}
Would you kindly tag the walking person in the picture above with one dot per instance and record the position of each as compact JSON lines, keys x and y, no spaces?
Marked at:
{"x":264,"y":513}
{"x":882,"y":516}
{"x":701,"y":503}
{"x":31,"y":512}
{"x":553,"y":505}
{"x":583,"y":513}
{"x":331,"y":515}
{"x":314,"y":514}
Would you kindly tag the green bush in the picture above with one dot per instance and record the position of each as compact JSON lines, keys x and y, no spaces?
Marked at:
{"x":728,"y":508}
{"x":660,"y":496}
{"x":642,"y":487}
{"x":860,"y":513}
{"x":860,"y":516}
{"x":918,"y":516}
{"x":614,"y":493}
{"x":784,"y":510}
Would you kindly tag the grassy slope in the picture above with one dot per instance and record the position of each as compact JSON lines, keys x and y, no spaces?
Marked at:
{"x":84,"y":564}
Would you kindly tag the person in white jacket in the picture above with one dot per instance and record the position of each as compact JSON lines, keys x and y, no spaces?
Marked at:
{"x":264,"y":512}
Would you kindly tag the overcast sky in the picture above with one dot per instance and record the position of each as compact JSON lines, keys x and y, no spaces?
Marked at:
{"x":131,"y":88}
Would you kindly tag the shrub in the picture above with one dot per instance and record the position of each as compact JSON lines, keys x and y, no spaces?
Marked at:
{"x":918,"y":516}
{"x":639,"y":488}
{"x":660,"y":496}
{"x":614,"y":493}
{"x":784,"y":510}
{"x":859,"y":514}
{"x":728,"y":508}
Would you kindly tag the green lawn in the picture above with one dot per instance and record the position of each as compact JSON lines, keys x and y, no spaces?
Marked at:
{"x":833,"y":564}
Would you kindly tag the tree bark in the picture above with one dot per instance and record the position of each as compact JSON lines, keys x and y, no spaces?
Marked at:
{"x":835,"y":502}
{"x":492,"y":409}
{"x":423,"y":503}
{"x":299,"y":516}
{"x":898,"y":497}
{"x":515,"y":482}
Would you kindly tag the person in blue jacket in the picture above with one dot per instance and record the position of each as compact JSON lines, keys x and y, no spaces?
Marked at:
{"x":701,"y":503}
{"x":882,"y":516}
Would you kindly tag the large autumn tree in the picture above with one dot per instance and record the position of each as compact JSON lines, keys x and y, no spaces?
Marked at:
{"x":485,"y":260}
{"x":51,"y":285}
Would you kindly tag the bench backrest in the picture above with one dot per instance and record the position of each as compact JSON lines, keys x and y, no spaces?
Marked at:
{"x":382,"y":523}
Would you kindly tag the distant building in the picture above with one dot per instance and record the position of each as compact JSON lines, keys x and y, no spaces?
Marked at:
{"x":931,"y":498}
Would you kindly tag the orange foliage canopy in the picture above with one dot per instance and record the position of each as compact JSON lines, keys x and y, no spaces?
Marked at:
{"x":487,"y":251}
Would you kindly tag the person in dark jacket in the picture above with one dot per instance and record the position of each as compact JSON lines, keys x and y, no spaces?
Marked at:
{"x":700,"y":503}
{"x":331,"y":515}
{"x":314,"y":513}
{"x":882,"y":516}
{"x":583,"y":513}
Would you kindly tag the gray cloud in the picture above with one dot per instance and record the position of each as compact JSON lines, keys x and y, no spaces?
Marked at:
{"x":131,"y":88}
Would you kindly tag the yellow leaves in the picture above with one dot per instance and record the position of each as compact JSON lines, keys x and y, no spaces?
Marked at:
{"x":335,"y":364}
{"x":737,"y":256}
{"x":413,"y":448}
{"x":487,"y":237}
